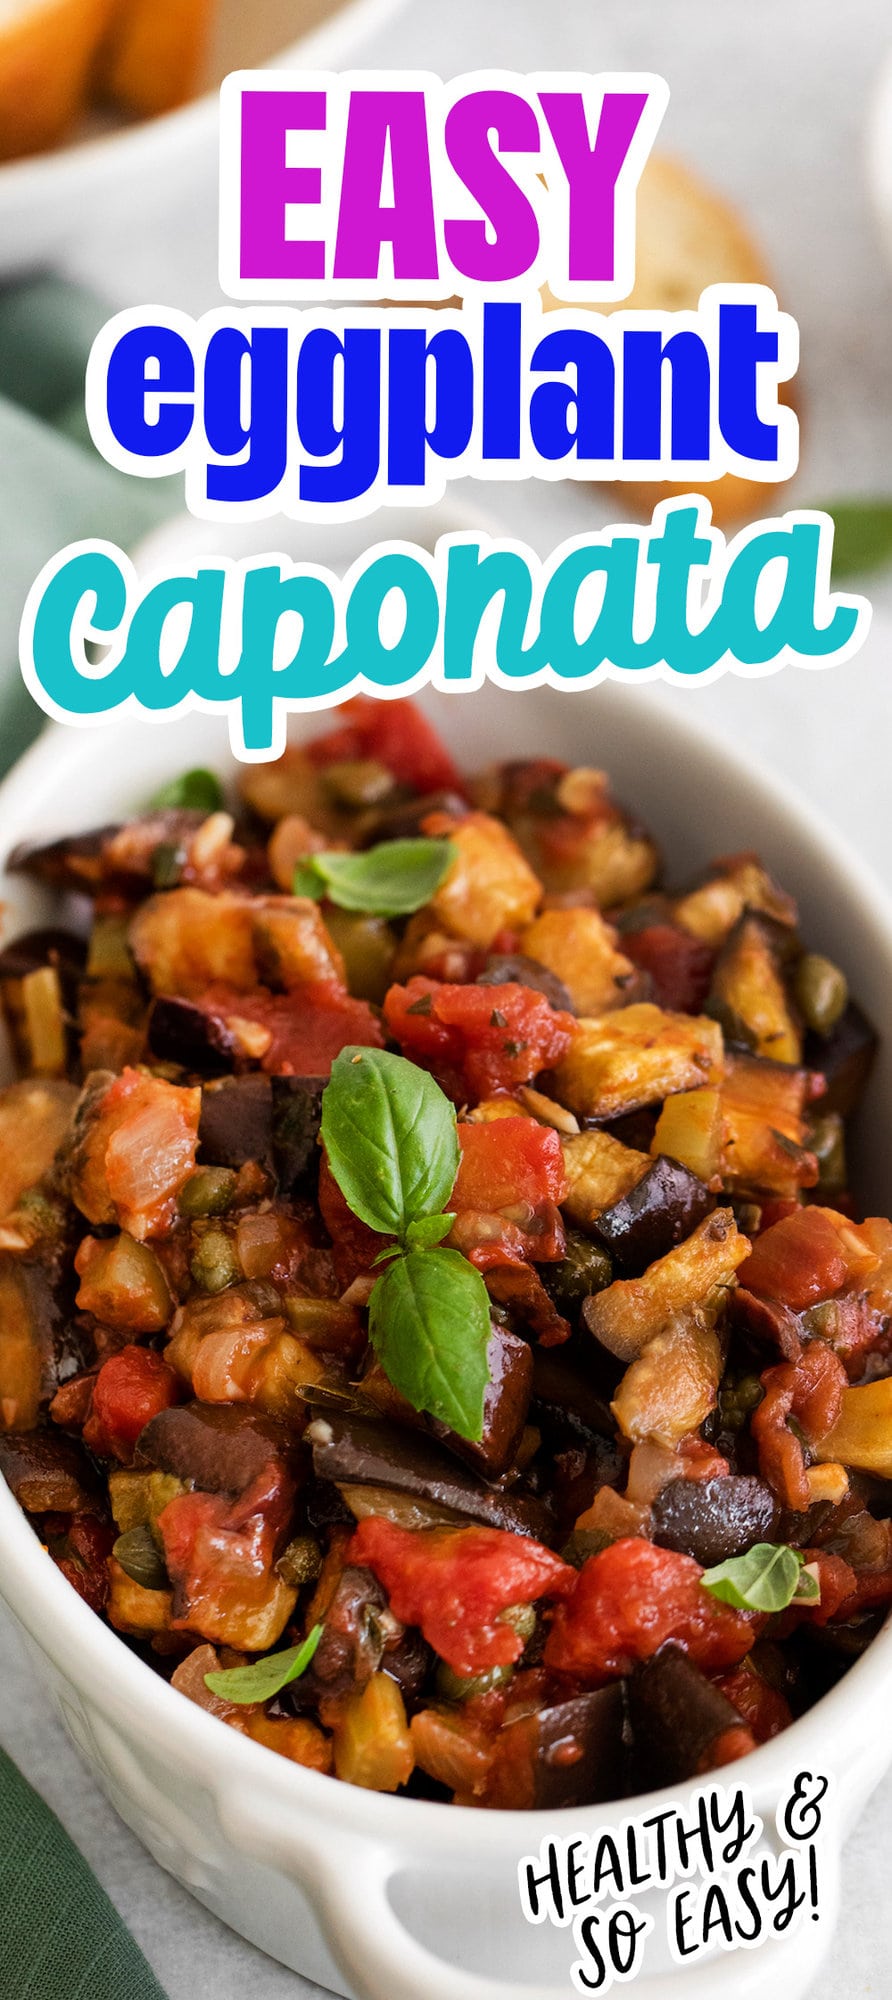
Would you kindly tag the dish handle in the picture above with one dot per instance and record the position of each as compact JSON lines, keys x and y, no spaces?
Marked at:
{"x":381,"y":1960}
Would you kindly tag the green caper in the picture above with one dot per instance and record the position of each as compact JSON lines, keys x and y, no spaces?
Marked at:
{"x":584,"y":1269}
{"x":827,"y":1140}
{"x":214,"y":1265}
{"x":821,"y":992}
{"x":739,"y":1395}
{"x":521,"y":1618}
{"x":140,"y":1558}
{"x":168,"y":862}
{"x":209,"y":1191}
{"x":358,"y":781}
{"x":460,"y":1687}
{"x":301,"y":1562}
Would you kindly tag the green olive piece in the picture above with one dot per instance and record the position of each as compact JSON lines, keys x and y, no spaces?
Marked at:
{"x":521,"y":1618}
{"x":826,"y":1138}
{"x":358,"y":781}
{"x":821,"y":992}
{"x":209,"y":1191}
{"x":368,"y":948}
{"x":214,"y":1265}
{"x":459,"y":1687}
{"x":584,"y":1269}
{"x":140,"y":1558}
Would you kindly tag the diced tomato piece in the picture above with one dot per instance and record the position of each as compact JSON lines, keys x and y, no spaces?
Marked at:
{"x":308,"y":1027}
{"x":679,"y":965}
{"x":81,"y":1552}
{"x":629,"y":1601}
{"x":131,"y":1386}
{"x":508,"y":1161}
{"x":220,"y":1555}
{"x":393,"y":733}
{"x":810,"y":1389}
{"x":455,"y":1582}
{"x":798,"y":1260}
{"x":354,"y":1245}
{"x":758,"y":1704}
{"x":514,"y":1165}
{"x":478,"y":1040}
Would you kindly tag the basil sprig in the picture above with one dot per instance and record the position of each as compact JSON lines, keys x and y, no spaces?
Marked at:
{"x":390,"y":880}
{"x":390,"y":1136}
{"x":264,"y":1678}
{"x":767,"y":1578}
{"x":195,"y":791}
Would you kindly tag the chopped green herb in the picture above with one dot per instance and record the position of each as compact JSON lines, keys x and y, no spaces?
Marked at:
{"x":264,"y":1678}
{"x":767,"y":1578}
{"x":390,"y":880}
{"x":195,"y":791}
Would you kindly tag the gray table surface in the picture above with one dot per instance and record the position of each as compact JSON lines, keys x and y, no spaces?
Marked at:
{"x":771,"y":102}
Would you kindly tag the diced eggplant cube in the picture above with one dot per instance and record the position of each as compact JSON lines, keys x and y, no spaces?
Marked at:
{"x":354,"y":1452}
{"x":567,"y":1755}
{"x":658,"y":1212}
{"x":676,"y":1717}
{"x":845,"y":1059}
{"x":181,"y":1032}
{"x":714,"y":1519}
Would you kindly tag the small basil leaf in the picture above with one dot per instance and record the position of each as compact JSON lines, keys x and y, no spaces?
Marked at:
{"x":390,"y":880}
{"x":765,"y":1579}
{"x":389,"y":1133}
{"x":264,"y":1678}
{"x":431,"y":1229}
{"x":429,"y":1325}
{"x":195,"y":791}
{"x":862,"y":535}
{"x":306,"y":882}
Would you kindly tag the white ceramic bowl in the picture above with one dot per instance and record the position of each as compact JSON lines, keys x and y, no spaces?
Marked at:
{"x":377,"y":1897}
{"x":129,"y":179}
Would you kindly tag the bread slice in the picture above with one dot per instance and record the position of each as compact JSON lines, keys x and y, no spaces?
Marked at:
{"x":151,"y":57}
{"x":688,"y":237}
{"x":47,"y":49}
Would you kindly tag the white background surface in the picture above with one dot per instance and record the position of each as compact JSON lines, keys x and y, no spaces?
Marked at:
{"x":771,"y":102}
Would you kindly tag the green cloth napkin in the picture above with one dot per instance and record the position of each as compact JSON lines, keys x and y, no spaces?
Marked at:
{"x":60,"y":1937}
{"x":54,"y":487}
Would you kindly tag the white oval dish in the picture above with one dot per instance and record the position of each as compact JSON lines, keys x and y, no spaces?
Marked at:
{"x":384,"y":1898}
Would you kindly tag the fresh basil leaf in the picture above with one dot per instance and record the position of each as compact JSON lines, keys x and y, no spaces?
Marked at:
{"x":390,"y":880}
{"x":195,"y":791}
{"x":862,"y":535}
{"x":264,"y":1678}
{"x":390,"y":1136}
{"x":431,"y":1229}
{"x":306,"y":882}
{"x":765,"y":1579}
{"x":429,"y":1325}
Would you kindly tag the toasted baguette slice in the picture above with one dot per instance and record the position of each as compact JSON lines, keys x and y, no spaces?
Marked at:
{"x":47,"y":49}
{"x":151,"y":57}
{"x":688,"y":237}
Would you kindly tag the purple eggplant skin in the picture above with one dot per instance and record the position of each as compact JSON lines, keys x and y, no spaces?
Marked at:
{"x":506,"y":968}
{"x":676,"y":1717}
{"x":403,"y":820}
{"x":351,"y":1451}
{"x":236,"y":1122}
{"x":180,"y":1032}
{"x":714,"y":1519}
{"x":48,"y":1472}
{"x":570,"y":1754}
{"x":658,"y":1212}
{"x":506,"y":1402}
{"x":72,"y":863}
{"x":296,"y":1118}
{"x":355,"y":1632}
{"x":845,"y":1059}
{"x":222,"y":1448}
{"x":505,"y":1405}
{"x":32,"y":950}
